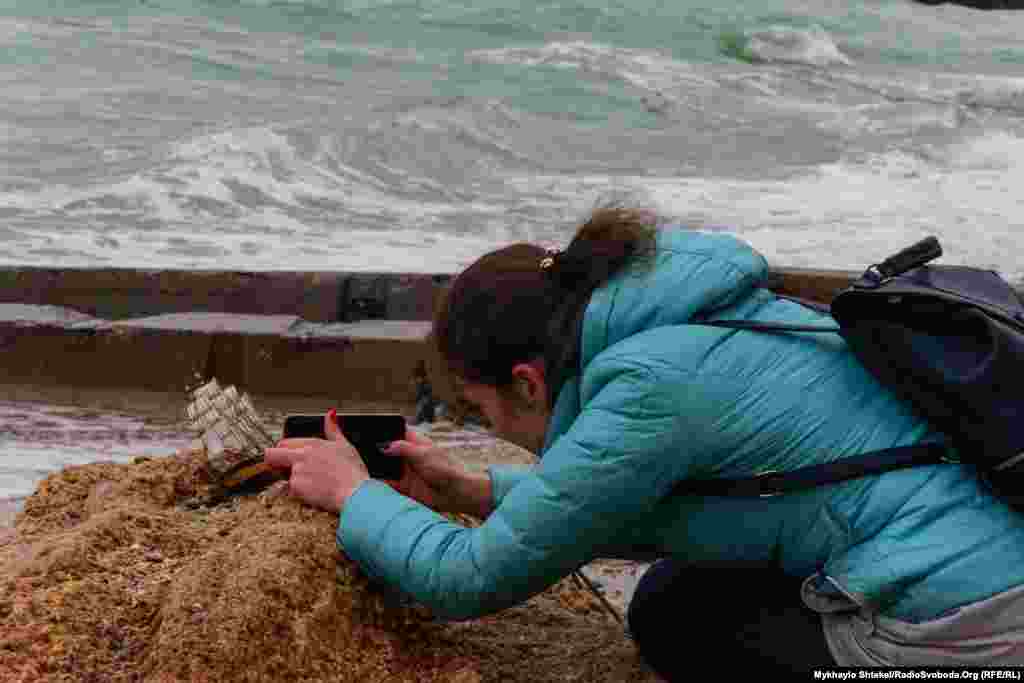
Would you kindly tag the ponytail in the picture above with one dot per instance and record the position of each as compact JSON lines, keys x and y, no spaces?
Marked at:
{"x":506,"y":309}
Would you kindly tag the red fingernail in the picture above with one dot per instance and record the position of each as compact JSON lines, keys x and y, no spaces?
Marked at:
{"x":333,"y":414}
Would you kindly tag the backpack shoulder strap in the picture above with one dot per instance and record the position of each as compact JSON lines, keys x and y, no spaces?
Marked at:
{"x":777,"y":483}
{"x":760,"y":326}
{"x":773,"y":483}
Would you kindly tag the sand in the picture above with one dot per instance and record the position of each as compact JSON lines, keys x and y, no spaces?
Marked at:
{"x":119,"y":572}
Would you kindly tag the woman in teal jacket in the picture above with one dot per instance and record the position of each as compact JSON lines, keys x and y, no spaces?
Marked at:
{"x":594,"y":358}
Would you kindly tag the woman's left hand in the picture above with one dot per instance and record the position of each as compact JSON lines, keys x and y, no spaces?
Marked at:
{"x":324,"y":473}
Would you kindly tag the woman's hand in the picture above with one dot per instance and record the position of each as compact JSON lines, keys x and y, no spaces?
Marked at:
{"x":436,"y":479}
{"x":324,"y":473}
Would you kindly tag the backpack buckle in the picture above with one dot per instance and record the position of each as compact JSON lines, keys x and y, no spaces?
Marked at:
{"x":873,"y":278}
{"x":768,"y":473}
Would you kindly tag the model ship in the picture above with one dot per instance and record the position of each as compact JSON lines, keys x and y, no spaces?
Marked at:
{"x":233,"y":438}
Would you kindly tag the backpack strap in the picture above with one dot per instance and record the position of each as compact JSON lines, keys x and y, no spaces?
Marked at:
{"x":771,"y":483}
{"x":758,"y":326}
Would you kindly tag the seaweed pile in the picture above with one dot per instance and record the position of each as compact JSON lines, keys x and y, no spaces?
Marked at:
{"x":139,"y":572}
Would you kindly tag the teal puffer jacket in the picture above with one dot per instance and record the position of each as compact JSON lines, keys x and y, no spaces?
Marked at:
{"x":657,"y":401}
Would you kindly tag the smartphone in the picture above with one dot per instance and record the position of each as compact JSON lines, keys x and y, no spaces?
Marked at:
{"x":367,"y":432}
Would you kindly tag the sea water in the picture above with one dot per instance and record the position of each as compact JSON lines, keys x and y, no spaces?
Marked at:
{"x":416,"y":136}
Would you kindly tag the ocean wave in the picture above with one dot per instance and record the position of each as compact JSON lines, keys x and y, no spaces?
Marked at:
{"x":784,"y":45}
{"x":646,"y":68}
{"x":674,"y":81}
{"x":268,"y":182}
{"x":344,"y":56}
{"x":846,"y":214}
{"x":664,"y":83}
{"x":481,"y":138}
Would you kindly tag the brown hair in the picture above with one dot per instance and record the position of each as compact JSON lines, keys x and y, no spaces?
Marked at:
{"x":504,"y":309}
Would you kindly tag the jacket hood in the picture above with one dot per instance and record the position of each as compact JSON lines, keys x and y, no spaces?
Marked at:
{"x":693,"y":274}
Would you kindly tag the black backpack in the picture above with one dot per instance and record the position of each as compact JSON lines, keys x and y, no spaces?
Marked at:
{"x":948,"y":339}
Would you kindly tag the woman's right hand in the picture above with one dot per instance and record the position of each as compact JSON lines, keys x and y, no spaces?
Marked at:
{"x":436,"y":479}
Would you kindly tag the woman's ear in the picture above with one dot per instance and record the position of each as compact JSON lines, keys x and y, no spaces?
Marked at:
{"x":528,"y":392}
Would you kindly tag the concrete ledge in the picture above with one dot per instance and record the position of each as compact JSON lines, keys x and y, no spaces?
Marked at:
{"x":318,"y":297}
{"x":370,"y":361}
{"x":322,"y":296}
{"x":341,"y":336}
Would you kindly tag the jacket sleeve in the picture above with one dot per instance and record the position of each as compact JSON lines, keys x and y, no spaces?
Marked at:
{"x":504,"y":478}
{"x":611,"y":467}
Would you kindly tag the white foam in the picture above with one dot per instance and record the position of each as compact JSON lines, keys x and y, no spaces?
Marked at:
{"x":997,"y":151}
{"x":150,"y":196}
{"x":896,"y":118}
{"x":410,"y":246}
{"x":570,"y":54}
{"x":250,"y":156}
{"x":1004,"y":93}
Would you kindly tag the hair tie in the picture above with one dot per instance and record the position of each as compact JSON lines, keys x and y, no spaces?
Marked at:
{"x":549,"y":260}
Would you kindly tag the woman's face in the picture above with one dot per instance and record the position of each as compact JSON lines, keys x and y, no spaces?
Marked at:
{"x":512,"y":420}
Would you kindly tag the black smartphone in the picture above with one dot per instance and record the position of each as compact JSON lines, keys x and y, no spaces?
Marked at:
{"x":367,"y":432}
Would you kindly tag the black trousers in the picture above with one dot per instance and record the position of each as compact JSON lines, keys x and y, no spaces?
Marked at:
{"x":733,"y":619}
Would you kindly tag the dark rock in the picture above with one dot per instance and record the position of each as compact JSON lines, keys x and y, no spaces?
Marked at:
{"x":979,"y":4}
